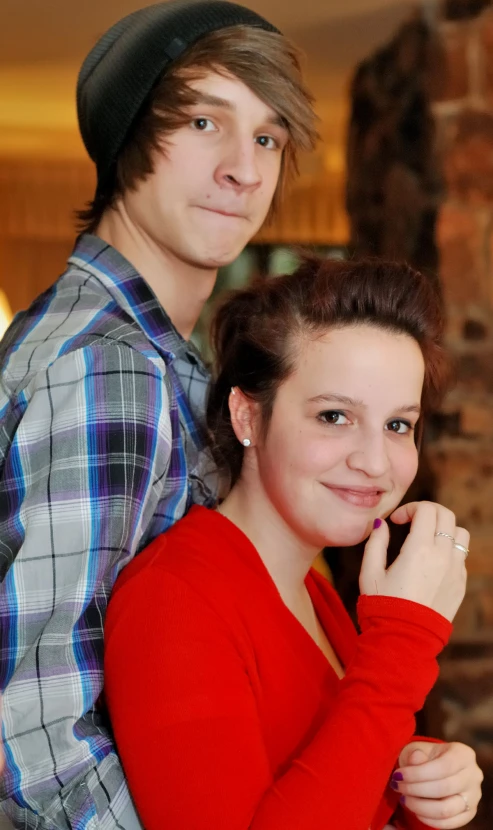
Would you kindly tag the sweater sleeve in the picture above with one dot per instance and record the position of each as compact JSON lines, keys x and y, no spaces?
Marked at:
{"x":188,"y":732}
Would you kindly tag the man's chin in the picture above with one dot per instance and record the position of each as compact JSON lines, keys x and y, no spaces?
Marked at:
{"x":212,"y":260}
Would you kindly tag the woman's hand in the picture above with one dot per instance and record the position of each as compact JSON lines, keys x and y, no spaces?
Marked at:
{"x":440,"y":783}
{"x":429,"y":570}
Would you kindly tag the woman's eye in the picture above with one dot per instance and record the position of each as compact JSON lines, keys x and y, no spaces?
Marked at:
{"x":399,"y":427}
{"x":203,"y":125}
{"x":333,"y":417}
{"x":268,"y":142}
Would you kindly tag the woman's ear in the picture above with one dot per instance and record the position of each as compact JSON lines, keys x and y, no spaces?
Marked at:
{"x":245,"y":414}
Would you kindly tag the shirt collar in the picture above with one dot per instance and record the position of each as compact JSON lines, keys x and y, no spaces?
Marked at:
{"x":132,"y":293}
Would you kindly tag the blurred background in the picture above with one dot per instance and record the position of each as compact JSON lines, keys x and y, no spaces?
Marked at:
{"x":404,"y":169}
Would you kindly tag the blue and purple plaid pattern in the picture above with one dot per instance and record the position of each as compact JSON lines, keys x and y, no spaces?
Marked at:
{"x":100,"y":451}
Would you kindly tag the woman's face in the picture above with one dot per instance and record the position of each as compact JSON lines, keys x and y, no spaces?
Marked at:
{"x":339,"y":449}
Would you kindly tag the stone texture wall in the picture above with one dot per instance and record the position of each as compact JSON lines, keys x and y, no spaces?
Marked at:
{"x":454,"y":78}
{"x":461,"y":456}
{"x":393,"y":185}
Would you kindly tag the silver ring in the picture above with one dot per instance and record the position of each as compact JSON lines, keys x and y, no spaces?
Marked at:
{"x":464,"y":550}
{"x":464,"y":798}
{"x":447,"y":535}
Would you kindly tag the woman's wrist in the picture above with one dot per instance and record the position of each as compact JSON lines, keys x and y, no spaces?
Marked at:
{"x":381,"y":607}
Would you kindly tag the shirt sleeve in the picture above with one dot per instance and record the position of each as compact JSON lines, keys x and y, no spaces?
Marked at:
{"x":82,"y":479}
{"x":188,"y":731}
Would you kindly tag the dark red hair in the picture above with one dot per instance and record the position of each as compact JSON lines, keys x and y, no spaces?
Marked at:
{"x":255,"y":333}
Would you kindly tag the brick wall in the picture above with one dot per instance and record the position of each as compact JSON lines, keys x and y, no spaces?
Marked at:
{"x":462,"y":455}
{"x":443,"y":75}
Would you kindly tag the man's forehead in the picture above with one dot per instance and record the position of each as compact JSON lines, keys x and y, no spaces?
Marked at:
{"x":219,"y":90}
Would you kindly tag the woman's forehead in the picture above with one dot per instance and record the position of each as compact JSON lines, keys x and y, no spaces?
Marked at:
{"x":356,"y":362}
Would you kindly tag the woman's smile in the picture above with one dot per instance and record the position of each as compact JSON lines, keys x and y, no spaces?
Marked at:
{"x":358,"y":496}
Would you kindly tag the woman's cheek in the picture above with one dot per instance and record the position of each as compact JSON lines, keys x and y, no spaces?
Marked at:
{"x":408,"y":467}
{"x":404,"y":467}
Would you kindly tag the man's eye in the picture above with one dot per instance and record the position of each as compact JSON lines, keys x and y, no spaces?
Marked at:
{"x":333,"y":417}
{"x":203,"y":125}
{"x":268,"y":142}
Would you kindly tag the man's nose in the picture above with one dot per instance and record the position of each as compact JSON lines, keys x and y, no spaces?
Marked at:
{"x":239,"y":168}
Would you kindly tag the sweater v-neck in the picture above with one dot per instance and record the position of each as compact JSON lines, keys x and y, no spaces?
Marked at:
{"x":327,"y":605}
{"x":240,"y":700}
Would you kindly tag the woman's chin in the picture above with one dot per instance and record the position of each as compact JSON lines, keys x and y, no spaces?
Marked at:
{"x":349,"y":536}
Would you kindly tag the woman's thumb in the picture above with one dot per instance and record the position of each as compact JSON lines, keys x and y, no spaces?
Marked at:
{"x":417,"y":752}
{"x":374,"y":558}
{"x":418,"y":757}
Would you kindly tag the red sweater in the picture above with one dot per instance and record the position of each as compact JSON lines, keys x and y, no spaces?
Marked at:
{"x":227,"y":715}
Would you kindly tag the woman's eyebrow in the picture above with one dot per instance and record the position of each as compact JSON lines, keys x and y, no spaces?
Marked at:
{"x":330,"y":397}
{"x":414,"y":407}
{"x":333,"y":396}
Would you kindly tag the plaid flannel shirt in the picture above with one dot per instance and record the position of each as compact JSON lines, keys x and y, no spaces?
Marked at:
{"x":100,"y":451}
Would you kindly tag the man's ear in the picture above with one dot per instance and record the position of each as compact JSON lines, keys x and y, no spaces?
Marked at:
{"x":245,"y":415}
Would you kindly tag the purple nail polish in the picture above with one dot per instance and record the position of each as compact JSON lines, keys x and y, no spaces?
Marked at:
{"x":394,"y":785}
{"x":377,"y":523}
{"x":402,"y":799}
{"x":397,"y":776}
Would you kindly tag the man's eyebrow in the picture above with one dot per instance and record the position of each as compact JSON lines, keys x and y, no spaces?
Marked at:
{"x":330,"y":397}
{"x":215,"y":101}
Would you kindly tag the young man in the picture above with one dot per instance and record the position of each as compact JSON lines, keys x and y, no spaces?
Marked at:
{"x":193,"y":114}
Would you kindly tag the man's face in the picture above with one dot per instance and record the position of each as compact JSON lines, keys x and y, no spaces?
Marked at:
{"x":215,"y":178}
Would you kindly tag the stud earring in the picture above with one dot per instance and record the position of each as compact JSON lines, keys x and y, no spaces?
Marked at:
{"x":246,"y":442}
{"x":233,"y":390}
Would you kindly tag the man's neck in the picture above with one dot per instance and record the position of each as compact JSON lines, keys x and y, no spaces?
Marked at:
{"x":180,"y":287}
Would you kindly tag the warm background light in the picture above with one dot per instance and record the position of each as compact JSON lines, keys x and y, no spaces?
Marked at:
{"x":41,"y":53}
{"x":37,"y":111}
{"x":5,"y":313}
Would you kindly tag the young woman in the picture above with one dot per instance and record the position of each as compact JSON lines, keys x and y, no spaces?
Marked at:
{"x":240,"y":694}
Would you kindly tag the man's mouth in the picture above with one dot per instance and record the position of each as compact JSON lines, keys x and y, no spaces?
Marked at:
{"x":222,"y":212}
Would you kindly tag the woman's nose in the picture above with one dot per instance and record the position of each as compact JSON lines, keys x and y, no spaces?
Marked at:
{"x":370,"y":458}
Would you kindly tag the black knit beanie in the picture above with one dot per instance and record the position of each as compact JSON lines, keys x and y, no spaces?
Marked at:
{"x":120,"y":71}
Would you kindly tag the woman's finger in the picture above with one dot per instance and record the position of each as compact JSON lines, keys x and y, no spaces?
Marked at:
{"x":406,"y":512}
{"x":375,"y":558}
{"x":423,"y":518}
{"x":452,"y":762}
{"x":450,"y":823}
{"x":437,"y":788}
{"x":445,"y":527}
{"x":462,"y":537}
{"x":445,"y":809}
{"x":426,"y":516}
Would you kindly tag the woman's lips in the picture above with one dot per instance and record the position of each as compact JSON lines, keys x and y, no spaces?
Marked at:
{"x":359,"y":496}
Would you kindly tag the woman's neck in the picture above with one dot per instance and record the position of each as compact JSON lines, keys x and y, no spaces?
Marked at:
{"x":286,"y":557}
